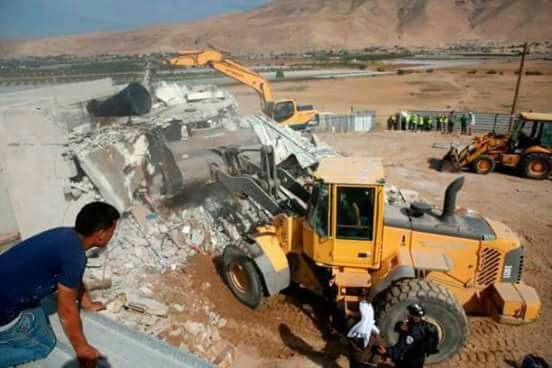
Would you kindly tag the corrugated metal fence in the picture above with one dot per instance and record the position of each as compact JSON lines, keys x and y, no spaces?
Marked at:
{"x":484,"y":121}
{"x":361,"y":121}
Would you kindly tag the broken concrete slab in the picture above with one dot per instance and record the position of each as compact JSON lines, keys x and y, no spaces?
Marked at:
{"x":104,"y":168}
{"x":171,"y":94}
{"x":205,"y":95}
{"x":121,"y":346}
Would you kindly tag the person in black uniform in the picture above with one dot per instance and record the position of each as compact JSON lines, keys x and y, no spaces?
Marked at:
{"x":410,"y":350}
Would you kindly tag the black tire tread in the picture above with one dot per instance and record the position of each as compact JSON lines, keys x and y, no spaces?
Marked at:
{"x":421,"y":290}
{"x":235,"y":252}
{"x":524,"y":165}
{"x":483,"y":157}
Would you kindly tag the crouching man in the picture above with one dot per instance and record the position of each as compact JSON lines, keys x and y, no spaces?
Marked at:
{"x":364,"y":339}
{"x":52,"y":261}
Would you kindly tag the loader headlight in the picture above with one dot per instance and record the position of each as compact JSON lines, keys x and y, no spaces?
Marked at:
{"x":513,"y":266}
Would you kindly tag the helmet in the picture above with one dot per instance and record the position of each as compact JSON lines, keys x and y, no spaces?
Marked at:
{"x":415,"y":309}
{"x":533,"y":361}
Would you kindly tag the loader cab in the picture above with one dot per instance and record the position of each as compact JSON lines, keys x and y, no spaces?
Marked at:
{"x":345,"y":218}
{"x":532,"y":130}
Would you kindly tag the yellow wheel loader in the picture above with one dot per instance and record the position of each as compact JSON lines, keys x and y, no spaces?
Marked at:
{"x":335,"y":236}
{"x":527,"y":147}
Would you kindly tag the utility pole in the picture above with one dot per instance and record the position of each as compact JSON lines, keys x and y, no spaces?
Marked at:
{"x":514,"y":104}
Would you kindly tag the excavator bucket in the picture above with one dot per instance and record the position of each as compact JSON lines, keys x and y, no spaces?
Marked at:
{"x":450,"y":162}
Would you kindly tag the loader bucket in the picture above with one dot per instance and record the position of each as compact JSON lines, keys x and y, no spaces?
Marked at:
{"x":449,"y":163}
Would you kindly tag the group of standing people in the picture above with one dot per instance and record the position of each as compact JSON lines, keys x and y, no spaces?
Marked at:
{"x":444,"y":123}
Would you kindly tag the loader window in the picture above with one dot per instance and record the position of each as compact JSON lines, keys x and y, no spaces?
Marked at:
{"x":355,"y":213}
{"x":318,"y":211}
{"x":283,"y":111}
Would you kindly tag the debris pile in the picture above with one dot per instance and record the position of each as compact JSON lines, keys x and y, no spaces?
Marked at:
{"x":288,"y":142}
{"x":155,"y":169}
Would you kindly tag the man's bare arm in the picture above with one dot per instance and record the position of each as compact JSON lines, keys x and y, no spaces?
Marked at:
{"x":69,"y":316}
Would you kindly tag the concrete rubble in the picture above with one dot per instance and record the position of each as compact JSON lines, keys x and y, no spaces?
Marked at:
{"x":147,"y":167}
{"x":288,"y":142}
{"x":152,"y":167}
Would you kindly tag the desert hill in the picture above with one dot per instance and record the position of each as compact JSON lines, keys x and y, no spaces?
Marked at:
{"x":304,"y":25}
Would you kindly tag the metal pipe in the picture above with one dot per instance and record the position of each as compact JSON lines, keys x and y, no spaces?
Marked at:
{"x":514,"y":104}
{"x":450,"y":200}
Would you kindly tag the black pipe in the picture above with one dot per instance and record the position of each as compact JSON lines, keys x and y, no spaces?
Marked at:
{"x":450,"y":200}
{"x":133,"y":100}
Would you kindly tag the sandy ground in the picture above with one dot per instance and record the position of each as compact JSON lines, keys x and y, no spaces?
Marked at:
{"x":440,"y":90}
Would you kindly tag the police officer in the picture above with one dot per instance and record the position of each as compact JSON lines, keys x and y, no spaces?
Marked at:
{"x":420,"y":123}
{"x":390,"y":122}
{"x":410,"y":349}
{"x":394,"y":121}
{"x":445,"y":123}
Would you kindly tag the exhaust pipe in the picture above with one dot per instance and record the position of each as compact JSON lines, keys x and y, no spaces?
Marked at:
{"x":450,"y":200}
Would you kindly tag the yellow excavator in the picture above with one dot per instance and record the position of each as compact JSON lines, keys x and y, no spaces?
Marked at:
{"x":285,"y":111}
{"x":336,"y":237}
{"x":527,"y":147}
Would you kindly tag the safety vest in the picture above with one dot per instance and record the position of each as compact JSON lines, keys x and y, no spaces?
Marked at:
{"x":430,"y":121}
{"x":421,"y":120}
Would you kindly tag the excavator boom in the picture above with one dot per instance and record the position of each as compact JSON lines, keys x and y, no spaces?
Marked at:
{"x":285,"y":112}
{"x":216,"y":60}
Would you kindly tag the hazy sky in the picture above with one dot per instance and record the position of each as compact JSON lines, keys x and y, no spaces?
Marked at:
{"x":41,"y":18}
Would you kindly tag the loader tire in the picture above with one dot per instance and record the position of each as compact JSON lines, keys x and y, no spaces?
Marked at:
{"x":536,"y":166}
{"x":441,"y":308}
{"x":484,"y":165}
{"x":242,"y":277}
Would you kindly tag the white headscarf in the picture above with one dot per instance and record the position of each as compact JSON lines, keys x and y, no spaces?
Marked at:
{"x":363,"y":329}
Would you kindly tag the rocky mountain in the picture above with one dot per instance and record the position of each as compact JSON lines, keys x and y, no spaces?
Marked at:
{"x":303,"y":25}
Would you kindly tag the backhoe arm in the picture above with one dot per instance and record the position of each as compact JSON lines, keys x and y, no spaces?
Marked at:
{"x":232,"y":69}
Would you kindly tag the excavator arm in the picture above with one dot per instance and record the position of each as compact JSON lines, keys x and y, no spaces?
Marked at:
{"x":216,"y":60}
{"x":284,"y":111}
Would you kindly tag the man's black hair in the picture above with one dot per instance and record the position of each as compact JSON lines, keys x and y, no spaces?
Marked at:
{"x":95,"y":216}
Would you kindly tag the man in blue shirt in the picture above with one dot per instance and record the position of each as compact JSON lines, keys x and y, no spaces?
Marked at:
{"x":52,"y":261}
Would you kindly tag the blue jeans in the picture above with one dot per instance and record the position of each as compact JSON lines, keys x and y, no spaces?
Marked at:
{"x":30,"y":339}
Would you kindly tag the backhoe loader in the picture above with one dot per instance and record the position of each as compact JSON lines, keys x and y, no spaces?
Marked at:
{"x":283,"y":111}
{"x":527,"y":147}
{"x":333,"y":234}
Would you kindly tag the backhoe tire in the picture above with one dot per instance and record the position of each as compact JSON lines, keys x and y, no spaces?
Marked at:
{"x":484,"y":165}
{"x":242,"y":277}
{"x":536,"y":166}
{"x":441,"y":308}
